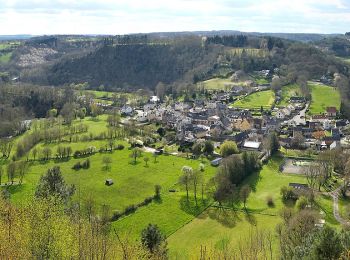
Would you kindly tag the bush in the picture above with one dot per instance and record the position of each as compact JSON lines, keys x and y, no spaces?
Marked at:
{"x":287,"y":193}
{"x":157,"y":189}
{"x":270,"y":202}
{"x":302,"y":203}
{"x":120,"y":147}
{"x":146,"y":201}
{"x":130,"y":209}
{"x":116,"y":215}
{"x":77,"y":154}
{"x":77,"y":166}
{"x":86,"y":164}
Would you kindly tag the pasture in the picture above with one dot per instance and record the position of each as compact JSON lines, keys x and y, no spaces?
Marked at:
{"x":322,"y":97}
{"x":216,"y":228}
{"x":5,"y":58}
{"x":256,"y":100}
{"x":288,"y":92}
{"x":132,"y":182}
{"x":218,"y":84}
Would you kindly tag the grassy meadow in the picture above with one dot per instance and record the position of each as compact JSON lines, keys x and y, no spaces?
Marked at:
{"x":256,"y":100}
{"x":216,"y":228}
{"x":288,"y":92}
{"x":323,"y":97}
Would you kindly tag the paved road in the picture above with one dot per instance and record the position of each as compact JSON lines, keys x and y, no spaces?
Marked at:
{"x":300,"y":119}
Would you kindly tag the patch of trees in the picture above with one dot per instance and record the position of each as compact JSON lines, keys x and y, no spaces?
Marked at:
{"x":229,"y":40}
{"x":193,"y":180}
{"x":127,"y":66}
{"x":82,"y":165}
{"x":301,"y":238}
{"x":232,"y":171}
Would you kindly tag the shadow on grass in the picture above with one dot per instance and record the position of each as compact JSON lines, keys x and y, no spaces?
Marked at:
{"x":190,"y":206}
{"x":12,"y":189}
{"x":225,"y":217}
{"x":250,"y":218}
{"x":158,"y":200}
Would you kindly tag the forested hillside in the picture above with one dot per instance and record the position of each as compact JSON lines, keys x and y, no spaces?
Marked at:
{"x":135,"y":65}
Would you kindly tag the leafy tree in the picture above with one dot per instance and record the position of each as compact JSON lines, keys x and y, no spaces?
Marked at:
{"x":302,"y":203}
{"x":11,"y":171}
{"x":1,"y":174}
{"x":244,"y":194}
{"x":153,"y":239}
{"x":46,"y":153}
{"x":135,"y":153}
{"x":327,"y":245}
{"x":197,"y":149}
{"x":157,"y":189}
{"x":208,"y":147}
{"x":185,"y":178}
{"x":273,"y":143}
{"x":146,"y":160}
{"x":228,"y":148}
{"x":106,"y":160}
{"x":161,"y":131}
{"x":52,"y":184}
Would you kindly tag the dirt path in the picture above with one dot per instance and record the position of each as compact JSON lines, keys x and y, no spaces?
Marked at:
{"x":335,"y":195}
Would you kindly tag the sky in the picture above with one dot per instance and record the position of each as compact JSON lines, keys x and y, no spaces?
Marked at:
{"x":39,"y":17}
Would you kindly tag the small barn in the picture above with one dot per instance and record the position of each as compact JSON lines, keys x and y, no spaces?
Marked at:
{"x":109,"y":182}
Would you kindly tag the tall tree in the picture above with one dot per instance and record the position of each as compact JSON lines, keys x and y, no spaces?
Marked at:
{"x":53,"y":184}
{"x":153,"y":239}
{"x":185,"y":178}
{"x":244,"y":194}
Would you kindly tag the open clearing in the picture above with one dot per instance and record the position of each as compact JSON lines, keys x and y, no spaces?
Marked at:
{"x":217,"y":84}
{"x":288,"y":92}
{"x":217,"y":228}
{"x":322,"y":97}
{"x":256,"y":100}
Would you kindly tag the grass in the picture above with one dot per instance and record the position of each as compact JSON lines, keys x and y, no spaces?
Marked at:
{"x":5,"y":58}
{"x":217,"y":229}
{"x":256,"y":100}
{"x":133,"y":183}
{"x":171,"y":213}
{"x":217,"y":83}
{"x":216,"y":226}
{"x":323,"y":97}
{"x":288,"y":92}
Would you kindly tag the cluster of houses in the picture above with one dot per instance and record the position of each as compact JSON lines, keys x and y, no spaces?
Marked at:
{"x":215,"y":120}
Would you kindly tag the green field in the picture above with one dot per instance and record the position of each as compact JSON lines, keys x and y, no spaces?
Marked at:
{"x":216,"y":225}
{"x":249,"y":51}
{"x":323,"y":97}
{"x":217,"y":84}
{"x":288,"y":92}
{"x":257,"y":100}
{"x":133,"y":183}
{"x":5,"y":58}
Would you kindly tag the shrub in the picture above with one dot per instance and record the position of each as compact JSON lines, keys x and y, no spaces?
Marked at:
{"x":86,"y":164}
{"x":77,"y":154}
{"x":120,"y":147}
{"x":270,"y":202}
{"x":116,"y":215}
{"x":302,"y":203}
{"x":130,"y":209}
{"x":287,"y":193}
{"x":77,"y":166}
{"x":157,"y":189}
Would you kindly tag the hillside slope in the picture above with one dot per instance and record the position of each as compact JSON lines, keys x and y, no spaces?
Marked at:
{"x":134,"y":66}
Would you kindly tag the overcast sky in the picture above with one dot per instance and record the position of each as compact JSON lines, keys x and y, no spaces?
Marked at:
{"x":132,"y":16}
